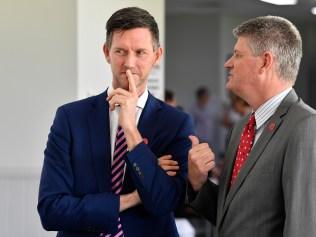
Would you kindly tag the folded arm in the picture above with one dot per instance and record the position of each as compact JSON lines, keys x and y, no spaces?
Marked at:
{"x":59,"y":206}
{"x":159,"y":192}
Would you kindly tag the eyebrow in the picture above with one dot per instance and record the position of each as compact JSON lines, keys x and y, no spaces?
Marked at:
{"x":144,"y":49}
{"x":141,"y":49}
{"x":118,"y":48}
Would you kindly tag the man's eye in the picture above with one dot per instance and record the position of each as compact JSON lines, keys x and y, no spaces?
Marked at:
{"x":237,"y":55}
{"x":141,"y":53}
{"x":119,"y":51}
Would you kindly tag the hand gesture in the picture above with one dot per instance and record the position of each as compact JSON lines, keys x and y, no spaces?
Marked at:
{"x":201,"y":161}
{"x":127,"y":101}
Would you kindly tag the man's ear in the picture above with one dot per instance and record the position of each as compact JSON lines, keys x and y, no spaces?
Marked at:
{"x":158,"y":54}
{"x":106,"y":52}
{"x":267,"y":61}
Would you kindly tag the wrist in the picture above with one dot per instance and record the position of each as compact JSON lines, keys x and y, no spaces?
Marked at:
{"x":134,"y":198}
{"x":196,"y":185}
{"x":129,"y":200}
{"x":133,"y":137}
{"x":125,"y":202}
{"x":129,"y":127}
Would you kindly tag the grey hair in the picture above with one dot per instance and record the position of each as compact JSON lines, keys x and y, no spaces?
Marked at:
{"x":277,"y":35}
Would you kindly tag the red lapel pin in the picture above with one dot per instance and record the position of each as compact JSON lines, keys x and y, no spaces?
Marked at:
{"x":145,"y":140}
{"x":271,"y":126}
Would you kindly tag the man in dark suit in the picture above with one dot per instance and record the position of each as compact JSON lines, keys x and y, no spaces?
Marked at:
{"x":267,"y":187}
{"x":101,"y":175}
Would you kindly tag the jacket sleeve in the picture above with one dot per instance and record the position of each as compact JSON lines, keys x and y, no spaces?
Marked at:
{"x":160,"y":193}
{"x":204,"y":202}
{"x":299,"y":178}
{"x":58,"y":207}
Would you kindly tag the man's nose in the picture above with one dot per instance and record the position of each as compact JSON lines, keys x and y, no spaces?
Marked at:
{"x":130,"y":61}
{"x":228,"y":63}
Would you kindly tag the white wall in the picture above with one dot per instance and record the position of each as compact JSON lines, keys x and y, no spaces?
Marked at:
{"x":18,"y":216}
{"x":94,"y":73}
{"x":37,"y":73}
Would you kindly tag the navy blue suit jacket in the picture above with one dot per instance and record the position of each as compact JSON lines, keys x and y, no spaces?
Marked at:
{"x":75,"y":196}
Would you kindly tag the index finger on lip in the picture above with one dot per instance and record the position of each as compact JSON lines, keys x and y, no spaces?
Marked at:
{"x":131,"y":81}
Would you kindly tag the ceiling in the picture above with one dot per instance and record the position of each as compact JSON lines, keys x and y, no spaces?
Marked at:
{"x":301,"y":11}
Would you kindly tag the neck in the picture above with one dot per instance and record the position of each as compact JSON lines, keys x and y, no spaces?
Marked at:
{"x":261,"y":98}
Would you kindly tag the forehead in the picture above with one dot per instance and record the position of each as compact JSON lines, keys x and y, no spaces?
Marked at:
{"x":132,"y":37}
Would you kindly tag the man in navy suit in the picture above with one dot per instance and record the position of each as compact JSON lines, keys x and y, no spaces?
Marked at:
{"x":76,"y":195}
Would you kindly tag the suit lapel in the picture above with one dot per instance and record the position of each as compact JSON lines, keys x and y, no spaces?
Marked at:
{"x":148,"y":119}
{"x":270,"y":129}
{"x":99,"y":131}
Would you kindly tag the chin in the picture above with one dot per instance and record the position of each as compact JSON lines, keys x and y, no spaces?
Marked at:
{"x":122,"y":86}
{"x":228,"y":86}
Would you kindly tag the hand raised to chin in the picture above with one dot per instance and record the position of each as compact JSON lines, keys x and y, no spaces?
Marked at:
{"x":127,"y":101}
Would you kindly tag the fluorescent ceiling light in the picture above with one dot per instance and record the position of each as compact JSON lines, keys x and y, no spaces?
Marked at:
{"x":313,"y":10}
{"x":281,"y":2}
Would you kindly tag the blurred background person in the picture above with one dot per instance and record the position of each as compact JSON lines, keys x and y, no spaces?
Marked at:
{"x":170,"y":99}
{"x":207,"y":115}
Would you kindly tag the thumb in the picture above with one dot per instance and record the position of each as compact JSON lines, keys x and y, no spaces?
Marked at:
{"x":194,"y":140}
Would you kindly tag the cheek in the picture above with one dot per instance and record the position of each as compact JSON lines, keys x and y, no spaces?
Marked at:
{"x":147,"y":62}
{"x":144,"y":66}
{"x":116,"y":61}
{"x":245,"y":69}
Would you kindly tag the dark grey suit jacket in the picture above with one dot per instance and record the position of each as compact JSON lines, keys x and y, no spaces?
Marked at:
{"x":275,"y":191}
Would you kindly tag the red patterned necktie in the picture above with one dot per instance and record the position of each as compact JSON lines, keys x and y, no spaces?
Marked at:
{"x":117,"y":172}
{"x":245,"y":145}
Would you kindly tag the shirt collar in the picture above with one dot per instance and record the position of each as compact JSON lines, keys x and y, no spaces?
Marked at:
{"x":266,"y":110}
{"x":142,"y":99}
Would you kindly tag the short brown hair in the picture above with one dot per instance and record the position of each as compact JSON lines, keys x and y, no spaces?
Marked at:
{"x":130,"y":18}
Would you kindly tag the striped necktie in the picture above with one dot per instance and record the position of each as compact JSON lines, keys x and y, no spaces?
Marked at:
{"x":118,"y":163}
{"x":117,"y":172}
